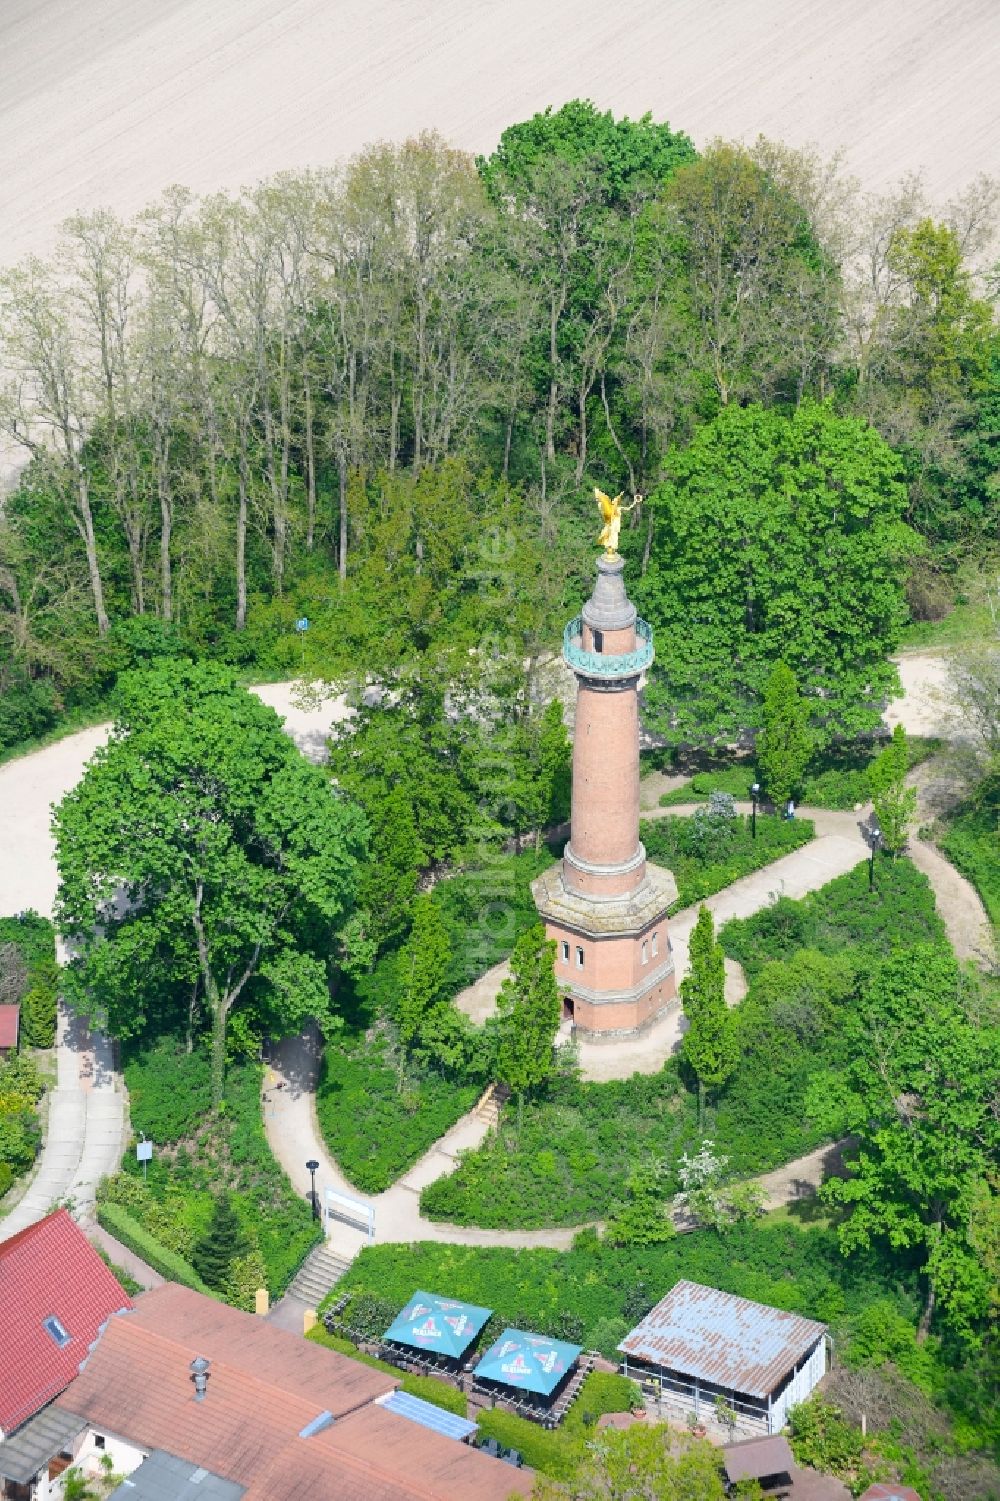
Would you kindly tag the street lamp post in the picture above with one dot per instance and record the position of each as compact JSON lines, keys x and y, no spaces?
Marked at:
{"x":312,"y":1167}
{"x":754,"y":795}
{"x":874,"y":841}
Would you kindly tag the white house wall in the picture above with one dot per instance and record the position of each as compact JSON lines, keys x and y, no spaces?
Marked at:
{"x":808,"y":1376}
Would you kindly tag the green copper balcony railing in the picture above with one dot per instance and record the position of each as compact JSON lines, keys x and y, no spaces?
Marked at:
{"x":595,"y":664}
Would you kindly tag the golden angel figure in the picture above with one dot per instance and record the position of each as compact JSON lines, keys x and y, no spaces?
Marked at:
{"x":612,"y":512}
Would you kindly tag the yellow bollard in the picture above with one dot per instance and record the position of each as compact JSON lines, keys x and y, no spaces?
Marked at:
{"x":309,"y":1320}
{"x":262,"y":1302}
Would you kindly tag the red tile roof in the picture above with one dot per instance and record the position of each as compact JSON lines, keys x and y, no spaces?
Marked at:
{"x":9,"y":1021}
{"x":48,"y":1269}
{"x":251,"y":1347}
{"x":264,"y":1387}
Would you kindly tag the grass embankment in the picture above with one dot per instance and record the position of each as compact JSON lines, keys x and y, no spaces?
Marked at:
{"x":378,"y":1111}
{"x":706,"y":862}
{"x":579,"y":1143}
{"x":197,"y":1155}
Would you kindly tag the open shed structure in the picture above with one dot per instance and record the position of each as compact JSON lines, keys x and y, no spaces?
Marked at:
{"x":699,"y":1345}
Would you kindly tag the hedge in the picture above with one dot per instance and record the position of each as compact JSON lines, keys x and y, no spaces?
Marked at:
{"x":119,"y":1223}
{"x":972,"y":844}
{"x":426,"y":1387}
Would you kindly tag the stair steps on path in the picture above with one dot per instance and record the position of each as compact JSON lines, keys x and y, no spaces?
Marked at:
{"x":490,"y":1105}
{"x":319,"y":1272}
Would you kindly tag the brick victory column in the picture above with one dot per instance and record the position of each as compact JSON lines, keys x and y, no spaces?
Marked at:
{"x":605,"y":905}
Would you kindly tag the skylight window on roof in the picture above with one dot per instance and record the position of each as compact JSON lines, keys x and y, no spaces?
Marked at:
{"x":56,"y":1331}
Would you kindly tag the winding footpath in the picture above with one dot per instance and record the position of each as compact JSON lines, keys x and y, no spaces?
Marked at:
{"x":86,"y":1124}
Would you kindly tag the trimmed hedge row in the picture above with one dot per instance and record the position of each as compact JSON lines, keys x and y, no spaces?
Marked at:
{"x":119,"y":1223}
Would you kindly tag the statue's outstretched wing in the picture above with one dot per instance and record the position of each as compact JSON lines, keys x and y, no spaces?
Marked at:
{"x":605,"y":503}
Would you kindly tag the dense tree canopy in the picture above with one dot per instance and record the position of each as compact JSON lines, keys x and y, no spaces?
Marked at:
{"x":921,"y":1096}
{"x":776,"y":537}
{"x":204,"y":865}
{"x":374,"y":395}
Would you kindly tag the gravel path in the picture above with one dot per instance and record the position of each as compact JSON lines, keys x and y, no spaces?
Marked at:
{"x":85,"y":1126}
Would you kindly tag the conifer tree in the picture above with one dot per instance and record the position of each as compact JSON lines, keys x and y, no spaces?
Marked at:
{"x":425,"y":960}
{"x":528,"y":1011}
{"x":784,"y":744}
{"x":221,"y":1244}
{"x":709,"y":1045}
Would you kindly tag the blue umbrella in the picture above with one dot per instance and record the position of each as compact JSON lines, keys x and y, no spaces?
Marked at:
{"x":443,"y":1325}
{"x":530,"y":1362}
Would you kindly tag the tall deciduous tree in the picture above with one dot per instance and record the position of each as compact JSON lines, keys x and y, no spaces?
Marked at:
{"x":776,"y":537}
{"x":920,"y":1095}
{"x":895,"y":804}
{"x":709,"y":1044}
{"x":784,"y":744}
{"x":203,"y":862}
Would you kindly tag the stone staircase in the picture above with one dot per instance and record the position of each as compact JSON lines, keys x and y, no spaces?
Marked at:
{"x":320,"y":1271}
{"x":491,"y":1103}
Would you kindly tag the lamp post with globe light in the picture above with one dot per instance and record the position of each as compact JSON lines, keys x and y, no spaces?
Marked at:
{"x":754,"y":795}
{"x":312,"y":1167}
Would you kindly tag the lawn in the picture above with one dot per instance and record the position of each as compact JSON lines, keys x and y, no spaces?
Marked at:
{"x":579,"y":1143}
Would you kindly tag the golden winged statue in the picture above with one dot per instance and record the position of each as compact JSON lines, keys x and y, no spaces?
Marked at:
{"x":612,"y":512}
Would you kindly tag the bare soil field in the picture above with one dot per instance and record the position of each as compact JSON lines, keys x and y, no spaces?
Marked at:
{"x":107,"y":102}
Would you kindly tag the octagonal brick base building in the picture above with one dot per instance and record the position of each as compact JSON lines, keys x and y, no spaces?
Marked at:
{"x":605,"y":905}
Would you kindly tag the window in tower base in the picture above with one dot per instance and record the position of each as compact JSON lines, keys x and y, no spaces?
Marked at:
{"x":579,"y":958}
{"x":564,"y":952}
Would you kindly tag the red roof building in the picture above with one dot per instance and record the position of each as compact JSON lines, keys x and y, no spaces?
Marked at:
{"x":56,"y":1294}
{"x":10,"y":1024}
{"x":280,"y":1416}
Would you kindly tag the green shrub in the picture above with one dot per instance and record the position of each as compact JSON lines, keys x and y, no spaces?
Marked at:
{"x":119,"y":1223}
{"x":777,"y":1263}
{"x":556,"y":1452}
{"x":972,"y":844}
{"x":39,"y":1006}
{"x":821,"y":1439}
{"x":375,"y":1123}
{"x":231,"y":1148}
{"x":170,"y":1090}
{"x":899,"y":913}
{"x":702,"y":871}
{"x":34,"y":939}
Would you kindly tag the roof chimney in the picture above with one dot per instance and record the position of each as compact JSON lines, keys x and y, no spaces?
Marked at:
{"x":199,"y":1375}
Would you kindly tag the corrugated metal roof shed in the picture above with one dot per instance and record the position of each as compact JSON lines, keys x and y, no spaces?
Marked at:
{"x":717,"y":1337}
{"x":427,"y":1415}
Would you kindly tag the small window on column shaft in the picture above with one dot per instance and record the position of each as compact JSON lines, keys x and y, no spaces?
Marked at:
{"x":598,"y":641}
